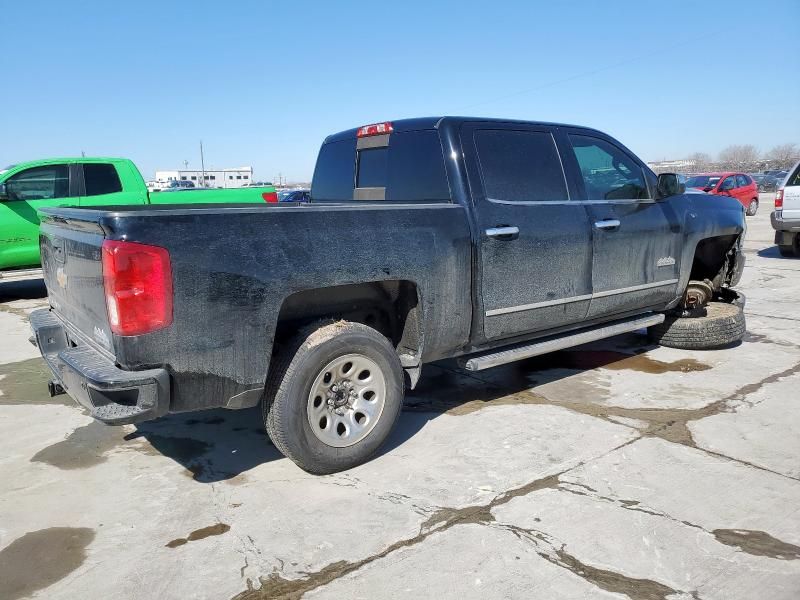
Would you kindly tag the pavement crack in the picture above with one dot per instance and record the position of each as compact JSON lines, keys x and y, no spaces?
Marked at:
{"x":548,"y":548}
{"x":772,"y":316}
{"x":746,"y":463}
{"x":669,"y":424}
{"x":276,"y":586}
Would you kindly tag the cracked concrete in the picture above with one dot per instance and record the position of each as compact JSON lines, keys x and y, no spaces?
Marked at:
{"x":617,"y":470}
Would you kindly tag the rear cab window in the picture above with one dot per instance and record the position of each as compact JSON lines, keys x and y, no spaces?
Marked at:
{"x":404,"y":166}
{"x":101,"y":178}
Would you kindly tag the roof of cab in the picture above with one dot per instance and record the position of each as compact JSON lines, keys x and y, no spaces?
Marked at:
{"x":66,"y":159}
{"x":434,"y":122}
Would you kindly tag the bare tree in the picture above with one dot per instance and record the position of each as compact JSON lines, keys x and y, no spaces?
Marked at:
{"x":739,"y":154}
{"x":701,"y":160}
{"x":783,"y":156}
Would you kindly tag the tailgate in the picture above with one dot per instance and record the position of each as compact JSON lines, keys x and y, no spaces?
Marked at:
{"x":73,"y":273}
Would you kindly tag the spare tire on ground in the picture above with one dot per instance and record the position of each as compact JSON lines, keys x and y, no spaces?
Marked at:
{"x":722,"y":325}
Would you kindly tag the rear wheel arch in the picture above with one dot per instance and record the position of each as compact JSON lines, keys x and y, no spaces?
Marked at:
{"x":391,"y":307}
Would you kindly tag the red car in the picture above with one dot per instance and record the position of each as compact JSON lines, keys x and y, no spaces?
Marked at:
{"x":738,"y":185}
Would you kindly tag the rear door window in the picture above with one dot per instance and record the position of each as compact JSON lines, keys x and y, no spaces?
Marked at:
{"x":608,"y":172}
{"x":39,"y":183}
{"x":520,"y":166}
{"x":742,"y":181}
{"x":101,"y":178}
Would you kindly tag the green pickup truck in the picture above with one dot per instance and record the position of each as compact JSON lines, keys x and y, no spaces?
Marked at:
{"x":25,"y":188}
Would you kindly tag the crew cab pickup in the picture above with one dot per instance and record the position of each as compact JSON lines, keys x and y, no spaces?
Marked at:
{"x":28,"y":187}
{"x":786,"y":216}
{"x":484,"y":240}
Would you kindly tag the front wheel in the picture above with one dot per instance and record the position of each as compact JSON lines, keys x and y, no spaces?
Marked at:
{"x":752,"y":208}
{"x":333,"y":396}
{"x":721,"y":325}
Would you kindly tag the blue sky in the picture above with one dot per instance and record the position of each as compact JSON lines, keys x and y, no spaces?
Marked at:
{"x":262,"y":83}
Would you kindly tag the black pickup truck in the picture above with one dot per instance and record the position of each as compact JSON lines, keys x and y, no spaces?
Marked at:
{"x":431,"y":238}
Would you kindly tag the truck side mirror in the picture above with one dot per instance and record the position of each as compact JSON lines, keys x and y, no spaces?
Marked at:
{"x":669,"y":185}
{"x":3,"y":192}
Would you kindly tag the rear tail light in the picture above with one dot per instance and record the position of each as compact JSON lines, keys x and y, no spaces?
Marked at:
{"x":270,"y":197}
{"x":779,"y":198}
{"x":374,"y":129}
{"x":138,"y":283}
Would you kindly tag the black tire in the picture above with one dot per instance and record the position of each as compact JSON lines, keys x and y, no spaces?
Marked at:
{"x":791,"y":250}
{"x":752,"y":208}
{"x":723,"y":324}
{"x":289,"y":384}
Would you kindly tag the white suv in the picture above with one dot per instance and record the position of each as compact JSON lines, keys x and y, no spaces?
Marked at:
{"x":786,"y":216}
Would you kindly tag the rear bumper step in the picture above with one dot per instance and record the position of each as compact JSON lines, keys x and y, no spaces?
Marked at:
{"x":551,"y":344}
{"x":112,"y":395}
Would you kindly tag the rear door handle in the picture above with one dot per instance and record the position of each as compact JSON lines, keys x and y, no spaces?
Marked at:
{"x":505,"y":232}
{"x":607,"y":224}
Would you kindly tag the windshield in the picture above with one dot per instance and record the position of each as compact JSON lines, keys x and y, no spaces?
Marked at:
{"x":702,"y":181}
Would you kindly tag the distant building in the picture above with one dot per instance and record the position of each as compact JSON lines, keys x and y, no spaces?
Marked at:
{"x":675,"y":165}
{"x":215,"y":178}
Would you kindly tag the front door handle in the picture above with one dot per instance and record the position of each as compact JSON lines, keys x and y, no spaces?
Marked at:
{"x":506,"y":232}
{"x":607,"y":224}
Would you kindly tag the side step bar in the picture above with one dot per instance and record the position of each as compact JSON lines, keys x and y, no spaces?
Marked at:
{"x":551,"y":344}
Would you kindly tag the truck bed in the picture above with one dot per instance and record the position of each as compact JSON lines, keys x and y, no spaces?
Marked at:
{"x":235,"y":269}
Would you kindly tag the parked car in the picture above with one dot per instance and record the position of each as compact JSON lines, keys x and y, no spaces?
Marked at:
{"x":28,"y":187}
{"x":179,"y":184}
{"x":294,"y":196}
{"x":737,"y":185}
{"x":772,"y":182}
{"x":487,"y":240}
{"x":786,"y":216}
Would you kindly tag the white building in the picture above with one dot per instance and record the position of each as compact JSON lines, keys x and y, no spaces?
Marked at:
{"x":214,"y":178}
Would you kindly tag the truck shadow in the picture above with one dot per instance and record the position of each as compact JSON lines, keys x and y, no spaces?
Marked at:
{"x":212,"y":445}
{"x":772,"y":252}
{"x":221,"y":445}
{"x":27,"y":289}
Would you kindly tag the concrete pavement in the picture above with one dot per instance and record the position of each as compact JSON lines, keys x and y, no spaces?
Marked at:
{"x":616,"y":470}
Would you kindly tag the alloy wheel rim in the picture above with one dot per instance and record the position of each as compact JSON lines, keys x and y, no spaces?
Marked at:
{"x":346,"y":400}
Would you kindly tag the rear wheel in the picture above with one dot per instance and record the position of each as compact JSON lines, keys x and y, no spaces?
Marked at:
{"x":752,"y":208}
{"x":333,"y":396}
{"x":718,"y":325}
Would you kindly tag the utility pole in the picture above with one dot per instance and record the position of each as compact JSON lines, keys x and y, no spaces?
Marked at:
{"x":202,"y":167}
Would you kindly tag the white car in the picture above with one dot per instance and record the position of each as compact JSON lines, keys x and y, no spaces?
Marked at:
{"x":786,"y":216}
